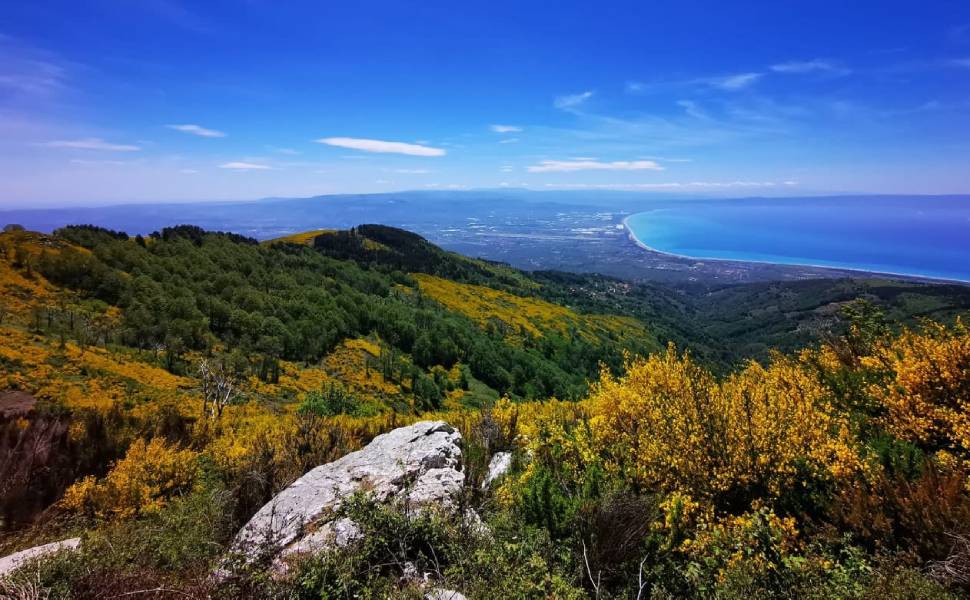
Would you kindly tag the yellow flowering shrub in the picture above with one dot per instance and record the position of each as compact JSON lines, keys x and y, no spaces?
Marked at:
{"x":353,"y":364}
{"x":749,"y":546}
{"x":667,"y":424}
{"x":141,"y":482}
{"x":521,"y":313}
{"x":926,"y":393}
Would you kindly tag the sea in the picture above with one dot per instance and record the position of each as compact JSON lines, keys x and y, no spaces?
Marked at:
{"x":925,"y":236}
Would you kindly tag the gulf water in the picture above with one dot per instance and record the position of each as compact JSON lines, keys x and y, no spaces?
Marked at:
{"x":913,"y":235}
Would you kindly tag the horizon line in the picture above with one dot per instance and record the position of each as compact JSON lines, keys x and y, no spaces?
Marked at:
{"x":666,"y":195}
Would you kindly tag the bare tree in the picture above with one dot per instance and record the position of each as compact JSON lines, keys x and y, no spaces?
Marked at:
{"x":218,"y":388}
{"x":955,"y":568}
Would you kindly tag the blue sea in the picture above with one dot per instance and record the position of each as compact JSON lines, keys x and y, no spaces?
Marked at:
{"x":913,"y":235}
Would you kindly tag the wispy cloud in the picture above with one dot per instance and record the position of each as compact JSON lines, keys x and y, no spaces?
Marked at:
{"x":693,"y":109}
{"x":635,"y":87}
{"x":92,"y":144}
{"x":31,"y":72}
{"x":197,"y":130}
{"x":727,"y":83}
{"x":572,"y":101}
{"x":798,"y":67}
{"x":506,"y":128}
{"x":98,"y":163}
{"x":961,"y":62}
{"x":737,"y":82}
{"x":412,"y":171}
{"x":382,"y":146}
{"x":564,"y":166}
{"x":286,"y":151}
{"x":245,"y":166}
{"x":32,"y":77}
{"x":509,"y":141}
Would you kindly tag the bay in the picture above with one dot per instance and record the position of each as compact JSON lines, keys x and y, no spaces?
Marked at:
{"x":926,"y":236}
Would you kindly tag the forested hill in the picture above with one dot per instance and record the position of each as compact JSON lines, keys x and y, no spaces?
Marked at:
{"x":184,"y":291}
{"x":303,"y":298}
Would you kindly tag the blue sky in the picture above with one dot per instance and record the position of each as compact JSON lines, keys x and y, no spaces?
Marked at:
{"x":111,"y":101}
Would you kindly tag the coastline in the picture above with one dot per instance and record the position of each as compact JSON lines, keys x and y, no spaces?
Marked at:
{"x":632,"y":236}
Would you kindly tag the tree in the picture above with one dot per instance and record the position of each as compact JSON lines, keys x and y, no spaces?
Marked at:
{"x":335,"y":400}
{"x":218,"y":388}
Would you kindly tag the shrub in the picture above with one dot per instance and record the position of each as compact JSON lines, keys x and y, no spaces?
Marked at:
{"x":335,"y":400}
{"x":141,"y":482}
{"x":926,"y":393}
{"x":399,"y":550}
{"x":668,"y":425}
{"x":166,"y":553}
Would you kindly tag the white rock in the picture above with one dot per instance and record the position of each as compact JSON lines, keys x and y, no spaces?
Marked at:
{"x":443,"y":594}
{"x":475,"y":523}
{"x":499,"y":465}
{"x":335,"y":534}
{"x":9,"y":564}
{"x":423,"y":460}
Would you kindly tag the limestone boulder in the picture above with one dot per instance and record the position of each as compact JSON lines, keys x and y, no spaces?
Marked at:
{"x":419,"y":464}
{"x":497,"y":467}
{"x":9,"y":564}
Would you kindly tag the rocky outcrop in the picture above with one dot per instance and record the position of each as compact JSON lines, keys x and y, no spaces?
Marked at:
{"x":497,"y":467}
{"x":420,"y":463}
{"x":443,"y":594}
{"x":9,"y":564}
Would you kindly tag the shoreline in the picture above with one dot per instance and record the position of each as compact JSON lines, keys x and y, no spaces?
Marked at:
{"x":632,"y":236}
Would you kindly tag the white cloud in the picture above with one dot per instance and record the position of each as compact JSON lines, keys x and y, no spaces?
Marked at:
{"x":382,"y":146}
{"x":635,"y":87}
{"x":31,"y":72}
{"x":92,"y":144}
{"x":565,"y":166}
{"x":197,"y":130}
{"x":412,"y":171}
{"x":287,"y":151}
{"x":507,"y":168}
{"x":693,"y":109}
{"x":734,"y":83}
{"x":508,"y":141}
{"x":244,"y":166}
{"x":94,"y":163}
{"x":572,"y":101}
{"x":729,"y":83}
{"x":506,"y":129}
{"x":797,"y":67}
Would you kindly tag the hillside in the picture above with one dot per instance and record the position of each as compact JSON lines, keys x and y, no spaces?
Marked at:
{"x":99,"y":324}
{"x":156,"y":391}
